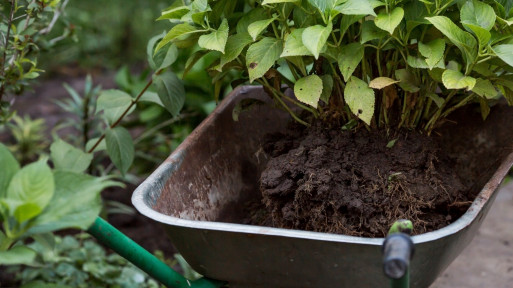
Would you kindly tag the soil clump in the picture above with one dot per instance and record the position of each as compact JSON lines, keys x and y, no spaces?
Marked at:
{"x":325,"y":180}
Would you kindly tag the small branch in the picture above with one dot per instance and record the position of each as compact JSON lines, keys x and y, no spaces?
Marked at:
{"x":113,"y":125}
{"x":56,"y":16}
{"x":9,"y":23}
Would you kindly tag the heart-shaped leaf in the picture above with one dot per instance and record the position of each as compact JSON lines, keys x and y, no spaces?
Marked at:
{"x":453,"y":79}
{"x":314,"y":38}
{"x":215,"y":40}
{"x":309,"y":89}
{"x":262,"y":55}
{"x":389,"y":21}
{"x":360,"y":99}
{"x":120,"y":148}
{"x":349,"y":57}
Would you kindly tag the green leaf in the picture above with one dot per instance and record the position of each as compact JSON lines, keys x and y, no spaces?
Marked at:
{"x":485,"y":108}
{"x":9,"y":168}
{"x":234,"y":46}
{"x":347,"y":21}
{"x":265,"y":2}
{"x":407,"y":80}
{"x":257,"y":27}
{"x":463,"y":40}
{"x":215,"y":40}
{"x":26,"y":212}
{"x":371,"y":32}
{"x":453,"y":79}
{"x":327,"y":87}
{"x":482,"y":35}
{"x":100,"y":147}
{"x":381,"y":82}
{"x":66,"y":157}
{"x":152,"y":97}
{"x":485,"y":88}
{"x":174,"y":13}
{"x":175,"y":32}
{"x":42,"y":284}
{"x":303,"y":18}
{"x":433,"y":51}
{"x":348,"y":59}
{"x":114,"y":103}
{"x":171,"y":91}
{"x":314,"y":38}
{"x":162,"y":58}
{"x":360,"y":99}
{"x":356,"y":7}
{"x":390,"y":21}
{"x":416,"y":62}
{"x":120,"y":148}
{"x":253,"y":15}
{"x":19,"y":255}
{"x":323,"y":5}
{"x":76,"y":203}
{"x":504,"y":52}
{"x":33,"y":183}
{"x":309,"y":89}
{"x":294,"y":44}
{"x":262,"y":55}
{"x":478,"y":13}
{"x":439,"y":101}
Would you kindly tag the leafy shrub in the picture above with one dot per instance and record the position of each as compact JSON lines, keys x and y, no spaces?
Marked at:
{"x":77,"y":261}
{"x":36,"y":199}
{"x":381,"y":64}
{"x":24,"y":27}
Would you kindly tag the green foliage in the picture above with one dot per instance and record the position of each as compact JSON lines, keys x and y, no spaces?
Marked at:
{"x":390,"y":63}
{"x":36,"y":199}
{"x":99,"y":40}
{"x":78,"y":261}
{"x":28,"y":137}
{"x":24,"y":28}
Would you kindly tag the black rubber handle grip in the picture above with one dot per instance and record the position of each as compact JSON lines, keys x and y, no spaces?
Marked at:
{"x":397,"y":251}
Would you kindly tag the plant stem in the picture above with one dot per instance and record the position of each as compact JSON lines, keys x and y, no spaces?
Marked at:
{"x":155,"y":128}
{"x":9,"y":23}
{"x":277,"y":97}
{"x":6,"y":243}
{"x":116,"y":123}
{"x":460,"y":104}
{"x":431,"y":124}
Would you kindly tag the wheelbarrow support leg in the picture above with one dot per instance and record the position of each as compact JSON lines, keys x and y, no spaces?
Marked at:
{"x":128,"y":249}
{"x":398,"y":250}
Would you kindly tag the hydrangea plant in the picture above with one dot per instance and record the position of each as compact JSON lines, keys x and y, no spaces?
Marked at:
{"x":381,"y":64}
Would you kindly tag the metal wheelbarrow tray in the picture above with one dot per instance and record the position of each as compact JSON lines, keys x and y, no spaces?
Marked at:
{"x":203,"y":185}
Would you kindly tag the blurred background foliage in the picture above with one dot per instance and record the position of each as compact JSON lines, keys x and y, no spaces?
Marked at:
{"x":105,"y":34}
{"x":110,"y":38}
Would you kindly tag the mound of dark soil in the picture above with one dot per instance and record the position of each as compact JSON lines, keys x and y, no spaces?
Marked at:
{"x":323,"y":180}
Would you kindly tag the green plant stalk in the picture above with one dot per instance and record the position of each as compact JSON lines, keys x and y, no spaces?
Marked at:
{"x":430,"y":125}
{"x":9,"y":23}
{"x":116,"y":123}
{"x":285,"y":106}
{"x":460,"y":104}
{"x":127,"y":248}
{"x":6,"y":243}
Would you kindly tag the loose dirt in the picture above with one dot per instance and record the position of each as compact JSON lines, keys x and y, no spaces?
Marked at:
{"x":358,"y":184}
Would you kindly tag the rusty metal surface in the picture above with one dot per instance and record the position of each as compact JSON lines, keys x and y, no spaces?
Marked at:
{"x":204,"y":182}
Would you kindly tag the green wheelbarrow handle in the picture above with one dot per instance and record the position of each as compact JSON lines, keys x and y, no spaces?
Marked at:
{"x":128,"y":249}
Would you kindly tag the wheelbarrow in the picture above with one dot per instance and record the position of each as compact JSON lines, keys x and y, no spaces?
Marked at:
{"x":397,"y":248}
{"x":253,"y":256}
{"x":198,"y":191}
